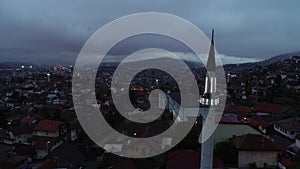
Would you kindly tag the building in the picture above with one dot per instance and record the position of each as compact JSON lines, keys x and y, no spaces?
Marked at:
{"x":268,"y":109}
{"x":256,"y":150}
{"x":230,"y":126}
{"x":191,"y":160}
{"x":288,"y":127}
{"x":18,"y":134}
{"x":11,"y":161}
{"x":174,"y":99}
{"x":48,"y":135}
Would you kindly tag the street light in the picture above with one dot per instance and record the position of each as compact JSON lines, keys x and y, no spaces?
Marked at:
{"x":48,"y":142}
{"x":228,"y":77}
{"x":156,"y":81}
{"x":48,"y":74}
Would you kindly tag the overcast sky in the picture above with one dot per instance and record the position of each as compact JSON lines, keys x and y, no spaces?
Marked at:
{"x":54,"y":31}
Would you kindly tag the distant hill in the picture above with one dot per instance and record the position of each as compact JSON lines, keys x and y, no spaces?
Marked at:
{"x":169,"y":61}
{"x":266,"y":62}
{"x":280,"y":57}
{"x":189,"y":63}
{"x":16,"y":64}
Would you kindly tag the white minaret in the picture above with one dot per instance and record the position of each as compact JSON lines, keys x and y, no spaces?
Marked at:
{"x":209,"y":101}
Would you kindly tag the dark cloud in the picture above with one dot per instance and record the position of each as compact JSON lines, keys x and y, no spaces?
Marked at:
{"x":54,"y":31}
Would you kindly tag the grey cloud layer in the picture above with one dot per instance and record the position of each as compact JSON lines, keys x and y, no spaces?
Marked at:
{"x":44,"y":31}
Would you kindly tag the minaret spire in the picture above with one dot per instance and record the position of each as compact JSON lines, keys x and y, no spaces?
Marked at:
{"x":211,"y":61}
{"x":208,"y":102}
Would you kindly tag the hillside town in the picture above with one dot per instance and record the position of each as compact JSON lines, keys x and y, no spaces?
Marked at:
{"x":260,"y":126}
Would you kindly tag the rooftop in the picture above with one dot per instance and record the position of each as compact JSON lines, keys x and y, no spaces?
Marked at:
{"x":48,"y":125}
{"x":291,"y":124}
{"x":253,"y":142}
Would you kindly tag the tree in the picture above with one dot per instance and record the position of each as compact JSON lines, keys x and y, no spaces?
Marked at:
{"x":227,"y":152}
{"x":190,"y":141}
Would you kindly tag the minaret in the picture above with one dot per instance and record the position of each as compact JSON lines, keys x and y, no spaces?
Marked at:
{"x":210,"y":79}
{"x":208,"y":102}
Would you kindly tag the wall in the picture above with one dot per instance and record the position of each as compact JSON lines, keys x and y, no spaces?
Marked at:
{"x":47,"y":134}
{"x":259,"y":157}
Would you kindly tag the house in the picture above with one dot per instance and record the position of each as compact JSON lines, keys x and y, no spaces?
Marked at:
{"x":230,"y":126}
{"x":11,"y":161}
{"x":140,"y":148}
{"x":13,"y":104}
{"x":283,"y":101}
{"x":57,"y":164}
{"x":5,"y":148}
{"x":288,"y":127}
{"x":29,"y":120}
{"x":72,"y":153}
{"x":268,"y":109}
{"x":262,"y":122}
{"x":189,"y":159}
{"x":173,"y":103}
{"x":128,"y":163}
{"x":256,"y":150}
{"x":26,"y":108}
{"x":49,"y":128}
{"x":18,"y":134}
{"x":237,"y":91}
{"x":241,"y":111}
{"x":24,"y":150}
{"x":13,"y":119}
{"x":48,"y":135}
{"x":237,"y":109}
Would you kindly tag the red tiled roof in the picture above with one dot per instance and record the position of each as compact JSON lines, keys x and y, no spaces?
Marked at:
{"x":27,"y":119}
{"x":231,"y":109}
{"x":257,"y":121}
{"x":237,"y":109}
{"x":21,"y":129}
{"x":229,"y":119}
{"x":48,"y":125}
{"x":253,"y":142}
{"x":268,"y":108}
{"x":263,"y":121}
{"x":191,"y":160}
{"x":244,"y":109}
